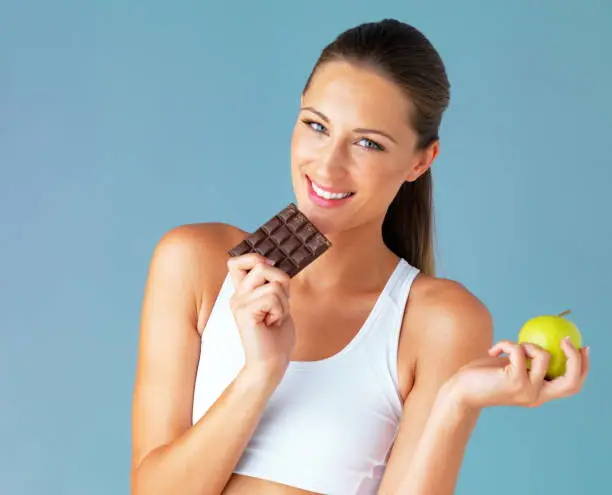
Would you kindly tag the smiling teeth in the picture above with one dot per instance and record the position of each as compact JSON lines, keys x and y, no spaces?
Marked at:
{"x":327,"y":195}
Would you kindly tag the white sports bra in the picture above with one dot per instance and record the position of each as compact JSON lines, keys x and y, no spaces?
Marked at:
{"x":329,"y":426}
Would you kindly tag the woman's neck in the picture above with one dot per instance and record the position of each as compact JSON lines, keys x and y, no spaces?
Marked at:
{"x":358,"y":260}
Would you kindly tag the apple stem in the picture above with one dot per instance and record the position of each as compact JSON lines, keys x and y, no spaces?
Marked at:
{"x":566,"y":312}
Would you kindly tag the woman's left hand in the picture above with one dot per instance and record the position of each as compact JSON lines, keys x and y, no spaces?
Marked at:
{"x":505,"y":381}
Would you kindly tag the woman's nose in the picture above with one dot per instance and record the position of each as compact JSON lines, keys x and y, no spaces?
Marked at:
{"x":332,"y":162}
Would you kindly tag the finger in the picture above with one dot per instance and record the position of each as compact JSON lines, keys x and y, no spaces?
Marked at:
{"x":269,"y":309}
{"x":500,"y":347}
{"x":275,"y":315}
{"x":573,"y":366}
{"x":516,"y":353}
{"x":261,"y":296}
{"x":570,"y":382}
{"x":540,"y":359}
{"x":240,"y":266}
{"x":586,"y":362}
{"x":277,"y":289}
{"x":261,"y":274}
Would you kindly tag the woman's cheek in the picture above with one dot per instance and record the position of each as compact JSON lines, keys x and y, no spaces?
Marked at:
{"x":306,"y":146}
{"x":373,"y":170}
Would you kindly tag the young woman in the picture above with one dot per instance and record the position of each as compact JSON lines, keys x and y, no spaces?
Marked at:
{"x":334,"y":381}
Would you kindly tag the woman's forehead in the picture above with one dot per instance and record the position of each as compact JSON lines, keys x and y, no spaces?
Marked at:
{"x":344,"y":91}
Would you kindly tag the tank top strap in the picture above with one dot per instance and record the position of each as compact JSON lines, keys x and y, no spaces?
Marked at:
{"x":398,"y":294}
{"x":400,"y":289}
{"x":386,"y":320}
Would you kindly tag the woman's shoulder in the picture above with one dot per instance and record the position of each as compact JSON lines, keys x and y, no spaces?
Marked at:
{"x":444,"y":323}
{"x":446,"y":305}
{"x":210,"y":237}
{"x":440,"y":318}
{"x":197,"y":253}
{"x":199,"y":245}
{"x":440,"y":293}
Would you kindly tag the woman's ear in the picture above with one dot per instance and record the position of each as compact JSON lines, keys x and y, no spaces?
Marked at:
{"x":424,"y":161}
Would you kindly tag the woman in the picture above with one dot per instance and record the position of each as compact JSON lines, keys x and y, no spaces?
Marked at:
{"x":334,"y":381}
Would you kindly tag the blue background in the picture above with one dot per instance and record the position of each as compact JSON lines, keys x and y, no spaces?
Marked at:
{"x":122,"y":119}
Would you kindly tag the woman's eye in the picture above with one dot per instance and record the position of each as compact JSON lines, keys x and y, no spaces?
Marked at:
{"x":315,"y":126}
{"x":372,"y":145}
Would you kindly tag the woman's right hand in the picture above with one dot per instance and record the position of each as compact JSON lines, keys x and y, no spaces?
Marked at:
{"x":260,"y":305}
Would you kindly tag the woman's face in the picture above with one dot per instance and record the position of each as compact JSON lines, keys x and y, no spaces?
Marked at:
{"x":353,"y":136}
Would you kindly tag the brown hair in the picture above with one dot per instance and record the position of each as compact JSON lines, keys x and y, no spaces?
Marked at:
{"x":405,"y":56}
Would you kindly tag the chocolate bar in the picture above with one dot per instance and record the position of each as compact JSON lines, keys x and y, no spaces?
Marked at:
{"x":288,"y":238}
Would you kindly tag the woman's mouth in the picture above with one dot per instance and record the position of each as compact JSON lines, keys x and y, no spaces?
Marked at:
{"x":321,"y":195}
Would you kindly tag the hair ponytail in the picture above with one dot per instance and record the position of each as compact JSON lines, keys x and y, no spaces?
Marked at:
{"x":408,"y":227}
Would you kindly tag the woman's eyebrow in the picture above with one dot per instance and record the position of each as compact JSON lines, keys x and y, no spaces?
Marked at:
{"x":359,"y":129}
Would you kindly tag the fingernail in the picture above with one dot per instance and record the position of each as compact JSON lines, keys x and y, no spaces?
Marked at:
{"x":270,"y":262}
{"x":588,"y":350}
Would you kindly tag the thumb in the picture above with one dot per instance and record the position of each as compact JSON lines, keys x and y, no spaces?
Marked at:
{"x":495,"y":351}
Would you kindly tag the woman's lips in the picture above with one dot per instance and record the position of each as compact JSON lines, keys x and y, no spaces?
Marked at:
{"x":324,"y":202}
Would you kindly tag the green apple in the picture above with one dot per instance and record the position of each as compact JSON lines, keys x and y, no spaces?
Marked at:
{"x":548,"y":331}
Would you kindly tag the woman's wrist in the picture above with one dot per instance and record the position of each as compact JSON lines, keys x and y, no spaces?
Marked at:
{"x":265,"y":379}
{"x":452,"y":399}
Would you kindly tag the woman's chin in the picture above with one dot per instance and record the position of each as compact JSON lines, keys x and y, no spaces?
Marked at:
{"x":328,"y":222}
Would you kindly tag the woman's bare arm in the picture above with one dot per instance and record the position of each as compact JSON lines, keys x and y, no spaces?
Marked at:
{"x":170,"y":455}
{"x":456,"y":328}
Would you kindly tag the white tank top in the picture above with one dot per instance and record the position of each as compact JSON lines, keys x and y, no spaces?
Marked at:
{"x":329,"y":426}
